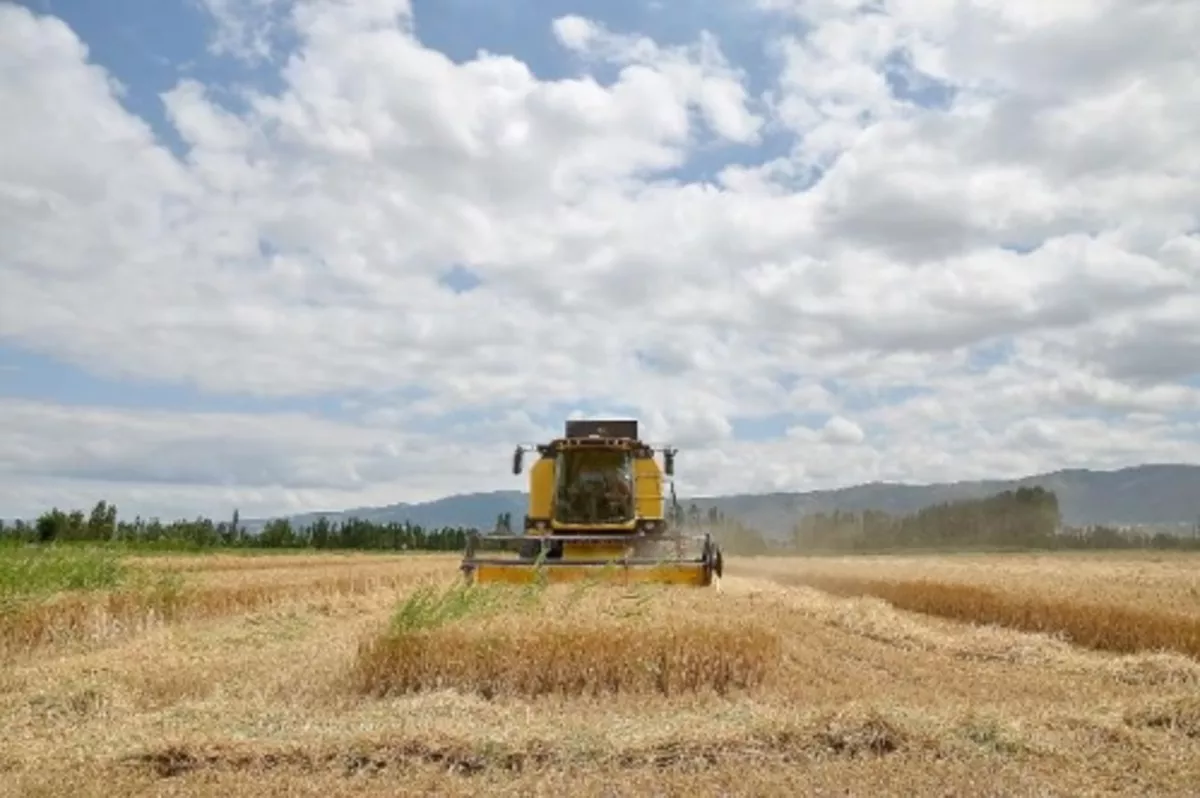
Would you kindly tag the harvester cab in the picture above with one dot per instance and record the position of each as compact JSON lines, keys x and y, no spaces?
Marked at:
{"x":597,"y":510}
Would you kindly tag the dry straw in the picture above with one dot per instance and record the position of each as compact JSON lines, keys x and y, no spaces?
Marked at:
{"x":592,"y":641}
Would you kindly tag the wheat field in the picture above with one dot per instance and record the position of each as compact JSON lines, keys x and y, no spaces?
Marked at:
{"x":370,"y":675}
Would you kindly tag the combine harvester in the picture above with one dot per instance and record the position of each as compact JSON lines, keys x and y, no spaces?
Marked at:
{"x":596,"y":511}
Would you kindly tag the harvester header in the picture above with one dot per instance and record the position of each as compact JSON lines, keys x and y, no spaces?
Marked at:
{"x":597,"y":508}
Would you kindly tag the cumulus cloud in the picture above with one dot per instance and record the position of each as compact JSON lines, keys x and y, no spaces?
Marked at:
{"x":256,"y":462}
{"x":977,"y":255}
{"x":244,"y":29}
{"x":575,"y":32}
{"x":842,"y":430}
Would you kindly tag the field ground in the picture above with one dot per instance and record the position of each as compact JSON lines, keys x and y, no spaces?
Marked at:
{"x":248,"y":676}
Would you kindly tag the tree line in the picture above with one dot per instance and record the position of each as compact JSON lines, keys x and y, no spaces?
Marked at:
{"x":1025,"y":518}
{"x":1022,"y":518}
{"x":102,"y":525}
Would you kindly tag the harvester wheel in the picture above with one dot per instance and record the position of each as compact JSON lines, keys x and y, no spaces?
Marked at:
{"x":714,"y":557}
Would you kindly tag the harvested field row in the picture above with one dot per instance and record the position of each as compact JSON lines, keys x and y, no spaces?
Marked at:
{"x":902,"y":775}
{"x":1103,"y":627}
{"x":831,"y":734}
{"x":853,"y":733}
{"x":854,"y":741}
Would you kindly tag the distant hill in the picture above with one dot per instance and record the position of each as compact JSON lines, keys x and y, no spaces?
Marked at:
{"x":1142,"y":495}
{"x":467,"y":510}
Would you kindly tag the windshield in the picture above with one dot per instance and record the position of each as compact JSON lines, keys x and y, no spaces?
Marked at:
{"x":595,"y":486}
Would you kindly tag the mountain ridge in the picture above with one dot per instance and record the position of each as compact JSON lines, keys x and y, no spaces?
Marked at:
{"x":1152,"y":494}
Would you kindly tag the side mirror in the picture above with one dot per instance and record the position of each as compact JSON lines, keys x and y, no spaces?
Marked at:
{"x":669,"y":462}
{"x":518,"y":460}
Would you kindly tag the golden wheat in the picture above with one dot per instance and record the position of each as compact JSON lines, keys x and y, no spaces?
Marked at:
{"x":554,"y":657}
{"x":264,"y":697}
{"x":72,"y":618}
{"x":570,"y":641}
{"x":1105,"y":627}
{"x":1150,"y":581}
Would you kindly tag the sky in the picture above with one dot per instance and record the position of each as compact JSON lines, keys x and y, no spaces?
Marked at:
{"x":285,"y":255}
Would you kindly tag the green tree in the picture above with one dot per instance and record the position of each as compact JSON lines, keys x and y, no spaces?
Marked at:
{"x":51,"y":526}
{"x":102,"y":523}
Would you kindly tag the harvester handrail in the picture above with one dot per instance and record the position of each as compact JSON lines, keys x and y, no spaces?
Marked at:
{"x":596,"y":561}
{"x":574,"y":538}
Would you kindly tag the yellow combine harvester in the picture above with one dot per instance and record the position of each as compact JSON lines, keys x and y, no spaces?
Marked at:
{"x":596,"y":510}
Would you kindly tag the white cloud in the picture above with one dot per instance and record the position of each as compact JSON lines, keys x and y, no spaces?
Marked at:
{"x":575,"y":32}
{"x":244,"y":29}
{"x":700,"y":73}
{"x":996,"y":283}
{"x":238,"y":460}
{"x":842,"y":430}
